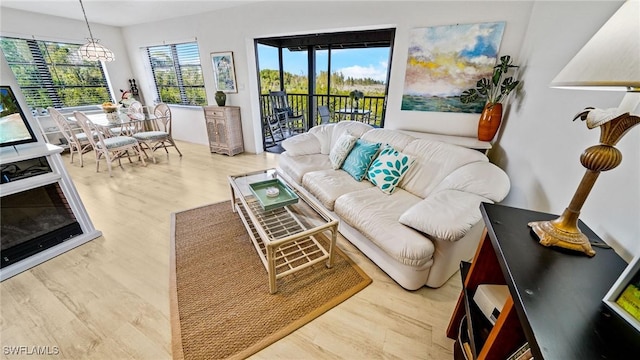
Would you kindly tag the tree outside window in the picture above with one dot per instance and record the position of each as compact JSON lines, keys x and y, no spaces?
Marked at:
{"x":178,"y":74}
{"x":53,"y":73}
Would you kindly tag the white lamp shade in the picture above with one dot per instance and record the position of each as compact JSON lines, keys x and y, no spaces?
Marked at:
{"x":611,"y":59}
{"x":93,"y":51}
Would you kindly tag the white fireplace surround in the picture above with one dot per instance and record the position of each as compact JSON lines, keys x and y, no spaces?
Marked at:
{"x":58,"y":175}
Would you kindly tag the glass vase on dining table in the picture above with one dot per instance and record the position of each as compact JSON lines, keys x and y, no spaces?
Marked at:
{"x":117,"y":123}
{"x":114,"y":118}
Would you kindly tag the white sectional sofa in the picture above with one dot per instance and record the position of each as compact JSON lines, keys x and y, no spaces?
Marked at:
{"x":420,"y":232}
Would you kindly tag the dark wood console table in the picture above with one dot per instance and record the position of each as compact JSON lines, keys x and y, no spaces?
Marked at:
{"x":556,"y":295}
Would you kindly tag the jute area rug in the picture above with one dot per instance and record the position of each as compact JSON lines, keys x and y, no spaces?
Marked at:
{"x":220,"y":302}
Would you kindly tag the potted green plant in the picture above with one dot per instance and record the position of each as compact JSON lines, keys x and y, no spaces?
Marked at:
{"x":356,"y":95}
{"x":495,"y":90}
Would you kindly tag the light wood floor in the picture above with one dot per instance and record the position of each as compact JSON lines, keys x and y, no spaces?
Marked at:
{"x":108,"y":299}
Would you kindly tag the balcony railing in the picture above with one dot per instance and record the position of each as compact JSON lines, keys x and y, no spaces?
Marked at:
{"x":341,"y":107}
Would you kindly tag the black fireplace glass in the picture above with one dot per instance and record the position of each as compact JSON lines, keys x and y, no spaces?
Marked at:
{"x":34,"y":220}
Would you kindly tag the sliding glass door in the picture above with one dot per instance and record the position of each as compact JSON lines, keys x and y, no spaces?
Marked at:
{"x":346,"y":72}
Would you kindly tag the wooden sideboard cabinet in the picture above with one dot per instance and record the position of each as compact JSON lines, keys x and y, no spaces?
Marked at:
{"x":555,"y":302}
{"x":224,"y":129}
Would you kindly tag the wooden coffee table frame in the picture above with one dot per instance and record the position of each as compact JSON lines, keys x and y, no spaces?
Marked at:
{"x":285,"y":241}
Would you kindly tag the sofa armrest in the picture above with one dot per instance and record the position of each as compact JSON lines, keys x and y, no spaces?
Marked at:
{"x":446,"y":215}
{"x":482,"y":178}
{"x":302,"y":144}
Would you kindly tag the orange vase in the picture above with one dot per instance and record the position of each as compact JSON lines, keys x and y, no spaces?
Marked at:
{"x":489,"y":121}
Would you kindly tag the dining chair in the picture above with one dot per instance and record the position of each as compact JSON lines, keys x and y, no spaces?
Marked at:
{"x":77,"y":141}
{"x":160,"y":135}
{"x":135,"y":113}
{"x":289,"y":120}
{"x":110,"y":148}
{"x":325,"y":114}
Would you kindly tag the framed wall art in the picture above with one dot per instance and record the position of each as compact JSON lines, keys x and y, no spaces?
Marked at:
{"x":624,"y":295}
{"x":224,"y":72}
{"x":443,"y":61}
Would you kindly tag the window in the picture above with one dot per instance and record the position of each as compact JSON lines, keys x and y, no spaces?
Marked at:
{"x":268,"y":63}
{"x":323,"y":69}
{"x":53,"y":74}
{"x":178,"y":74}
{"x":296,"y":68}
{"x":363,"y":69}
{"x":341,"y":62}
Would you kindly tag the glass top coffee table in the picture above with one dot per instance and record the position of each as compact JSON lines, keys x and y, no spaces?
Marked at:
{"x":286,"y":237}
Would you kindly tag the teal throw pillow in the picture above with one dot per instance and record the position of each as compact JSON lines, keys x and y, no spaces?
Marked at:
{"x":388,"y":168}
{"x":359,"y":159}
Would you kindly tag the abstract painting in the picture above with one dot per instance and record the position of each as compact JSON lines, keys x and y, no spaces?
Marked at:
{"x":444,"y":61}
{"x":224,"y":72}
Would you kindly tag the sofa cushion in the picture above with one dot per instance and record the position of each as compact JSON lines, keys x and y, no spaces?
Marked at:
{"x":296,"y":166}
{"x":388,"y":168}
{"x":341,"y":149}
{"x":376,"y":215}
{"x":354,"y":128}
{"x":390,"y":137}
{"x":445,"y":215}
{"x":359,"y":159}
{"x":481,"y":178}
{"x":302,"y":144}
{"x":324,"y":134}
{"x":435,"y":160}
{"x":328,"y":185}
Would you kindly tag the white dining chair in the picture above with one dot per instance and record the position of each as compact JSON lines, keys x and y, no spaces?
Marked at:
{"x":110,"y":148}
{"x":160,"y":136}
{"x":77,"y":141}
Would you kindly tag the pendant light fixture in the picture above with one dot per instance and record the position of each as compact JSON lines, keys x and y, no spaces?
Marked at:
{"x":93,"y":51}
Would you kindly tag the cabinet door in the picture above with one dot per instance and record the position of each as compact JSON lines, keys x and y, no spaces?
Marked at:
{"x":221,"y":130}
{"x":211,"y":131}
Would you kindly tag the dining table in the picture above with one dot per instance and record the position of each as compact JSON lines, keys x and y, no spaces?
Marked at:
{"x":354,"y":114}
{"x":118,"y":123}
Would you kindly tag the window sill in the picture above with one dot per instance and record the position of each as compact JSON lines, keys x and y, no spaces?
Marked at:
{"x":188,"y":107}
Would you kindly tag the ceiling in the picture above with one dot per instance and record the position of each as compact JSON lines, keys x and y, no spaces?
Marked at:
{"x":121,"y":12}
{"x":335,"y":40}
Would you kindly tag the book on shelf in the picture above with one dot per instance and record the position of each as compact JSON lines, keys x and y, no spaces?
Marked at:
{"x":491,"y":298}
{"x":523,"y":353}
{"x":463,"y":339}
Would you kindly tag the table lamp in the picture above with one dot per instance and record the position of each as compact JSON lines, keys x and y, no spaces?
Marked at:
{"x":609,"y":61}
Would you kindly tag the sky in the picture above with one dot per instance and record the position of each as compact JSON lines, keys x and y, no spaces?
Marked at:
{"x":356,"y":63}
{"x":446,"y":60}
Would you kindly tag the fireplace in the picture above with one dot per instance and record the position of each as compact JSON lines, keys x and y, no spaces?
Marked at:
{"x":34,"y":220}
{"x":41,"y":213}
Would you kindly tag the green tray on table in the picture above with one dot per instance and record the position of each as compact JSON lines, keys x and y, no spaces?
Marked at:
{"x":284,"y":198}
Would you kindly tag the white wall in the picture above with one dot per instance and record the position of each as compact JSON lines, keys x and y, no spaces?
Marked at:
{"x":234,"y":30}
{"x":539,"y":146}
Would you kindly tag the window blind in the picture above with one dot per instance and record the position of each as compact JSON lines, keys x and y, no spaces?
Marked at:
{"x":178,"y":74}
{"x":53,"y":74}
